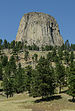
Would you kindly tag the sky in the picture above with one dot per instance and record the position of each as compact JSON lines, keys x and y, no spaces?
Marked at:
{"x":11,"y":12}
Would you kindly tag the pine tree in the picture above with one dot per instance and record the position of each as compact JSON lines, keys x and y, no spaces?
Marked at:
{"x":71,"y":80}
{"x":26,"y":55}
{"x":60,"y":75}
{"x":8,"y":82}
{"x":5,"y":44}
{"x":1,"y":72}
{"x":49,"y":56}
{"x":28,"y":74}
{"x":60,"y":53}
{"x":0,"y":44}
{"x":67,"y":56}
{"x":72,"y":57}
{"x":35,"y":56}
{"x":42,"y":80}
{"x":12,"y":45}
{"x":4,"y":61}
{"x":19,"y":80}
{"x":67,"y":45}
{"x":12,"y":64}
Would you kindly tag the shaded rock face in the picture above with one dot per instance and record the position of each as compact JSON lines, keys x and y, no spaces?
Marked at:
{"x":40,"y":29}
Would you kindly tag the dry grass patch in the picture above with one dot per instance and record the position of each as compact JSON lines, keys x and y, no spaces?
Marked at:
{"x":22,"y":102}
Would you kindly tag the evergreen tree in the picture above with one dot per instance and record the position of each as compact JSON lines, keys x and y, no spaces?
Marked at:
{"x":0,"y":41}
{"x":1,"y":72}
{"x":73,"y":47}
{"x":67,"y":45}
{"x":54,"y":54}
{"x":20,"y":45}
{"x":71,"y":81}
{"x":47,"y":48}
{"x":8,"y":45}
{"x":12,"y":45}
{"x":67,"y":57}
{"x":49,"y":56}
{"x":60,"y":75}
{"x":26,"y":55}
{"x":62,"y":47}
{"x":8,"y":82}
{"x":56,"y":59}
{"x":28,"y":74}
{"x":19,"y":80}
{"x":60,"y":53}
{"x":42,"y":83}
{"x":34,"y":57}
{"x":0,"y":44}
{"x":5,"y":44}
{"x":4,"y":61}
{"x":12,"y":64}
{"x":35,"y":47}
{"x":72,"y":57}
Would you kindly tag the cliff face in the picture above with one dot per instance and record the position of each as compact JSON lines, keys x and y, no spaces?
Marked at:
{"x":40,"y":29}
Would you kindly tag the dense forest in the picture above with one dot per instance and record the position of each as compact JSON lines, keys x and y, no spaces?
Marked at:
{"x":42,"y":80}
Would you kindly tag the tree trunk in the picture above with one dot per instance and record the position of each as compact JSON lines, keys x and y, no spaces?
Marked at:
{"x":7,"y":96}
{"x":59,"y":89}
{"x":73,"y":98}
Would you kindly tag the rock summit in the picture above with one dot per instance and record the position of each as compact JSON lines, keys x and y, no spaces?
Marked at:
{"x":40,"y":29}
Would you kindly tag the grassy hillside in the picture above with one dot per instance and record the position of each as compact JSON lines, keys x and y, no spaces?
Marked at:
{"x":22,"y":101}
{"x":21,"y":55}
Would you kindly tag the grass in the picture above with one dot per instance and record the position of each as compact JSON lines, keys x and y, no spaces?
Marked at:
{"x":22,"y":102}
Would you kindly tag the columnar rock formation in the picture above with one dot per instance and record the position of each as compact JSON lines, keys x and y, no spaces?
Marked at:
{"x":40,"y":29}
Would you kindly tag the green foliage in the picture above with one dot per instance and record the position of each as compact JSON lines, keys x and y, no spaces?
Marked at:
{"x":28,"y":74}
{"x":47,"y":48}
{"x":34,"y":57}
{"x":54,"y":52}
{"x":8,"y":86}
{"x":8,"y":82}
{"x":12,"y":64}
{"x":60,"y":75}
{"x":8,"y":45}
{"x":52,"y":56}
{"x":12,"y":45}
{"x":1,"y":73}
{"x":73,"y":47}
{"x":0,"y":44}
{"x":67,"y":56}
{"x":67,"y":45}
{"x":0,"y":41}
{"x":71,"y":80}
{"x":72,"y":57}
{"x":44,"y":74}
{"x":33,"y":47}
{"x":26,"y":55}
{"x":4,"y":61}
{"x":49,"y":56}
{"x":60,"y":53}
{"x":19,"y":80}
{"x":62,"y":47}
{"x":41,"y":81}
{"x":5,"y":44}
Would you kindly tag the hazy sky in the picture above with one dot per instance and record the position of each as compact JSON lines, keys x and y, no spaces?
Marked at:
{"x":11,"y":12}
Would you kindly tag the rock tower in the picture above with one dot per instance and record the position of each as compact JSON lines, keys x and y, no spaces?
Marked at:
{"x":40,"y":29}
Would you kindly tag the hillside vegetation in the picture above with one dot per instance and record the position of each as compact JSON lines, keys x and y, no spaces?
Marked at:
{"x":41,"y":72}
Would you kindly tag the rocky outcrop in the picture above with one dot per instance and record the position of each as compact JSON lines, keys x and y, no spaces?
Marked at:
{"x":40,"y":29}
